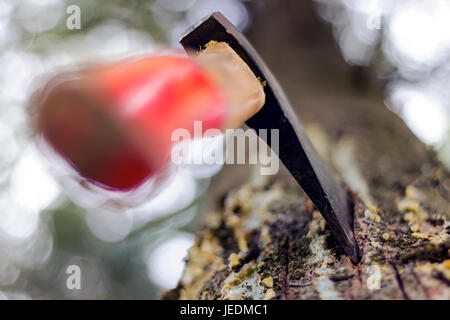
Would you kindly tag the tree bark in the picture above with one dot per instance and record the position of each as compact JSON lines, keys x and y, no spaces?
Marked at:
{"x":266,"y":240}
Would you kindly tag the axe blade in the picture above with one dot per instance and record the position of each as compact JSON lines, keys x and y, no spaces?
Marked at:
{"x":296,"y":151}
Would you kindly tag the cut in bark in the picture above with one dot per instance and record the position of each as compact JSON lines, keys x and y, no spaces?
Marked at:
{"x":266,"y":240}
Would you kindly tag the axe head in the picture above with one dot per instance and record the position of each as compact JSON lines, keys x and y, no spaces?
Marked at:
{"x":295,"y":149}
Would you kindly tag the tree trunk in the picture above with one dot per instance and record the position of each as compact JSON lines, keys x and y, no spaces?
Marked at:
{"x":267,"y":241}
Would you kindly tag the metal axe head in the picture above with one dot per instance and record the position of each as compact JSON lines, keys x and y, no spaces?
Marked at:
{"x":295,"y":149}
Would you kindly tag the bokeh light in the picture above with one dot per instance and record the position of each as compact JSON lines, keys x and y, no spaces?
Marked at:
{"x":423,"y":111}
{"x":414,"y":39}
{"x":165,"y":262}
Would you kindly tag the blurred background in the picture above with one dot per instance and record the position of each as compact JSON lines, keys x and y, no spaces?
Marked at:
{"x":48,"y":222}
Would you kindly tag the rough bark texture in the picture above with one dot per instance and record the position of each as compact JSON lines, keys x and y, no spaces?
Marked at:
{"x":267,"y":241}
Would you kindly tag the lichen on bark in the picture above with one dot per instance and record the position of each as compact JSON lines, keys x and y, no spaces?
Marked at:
{"x":273,"y":232}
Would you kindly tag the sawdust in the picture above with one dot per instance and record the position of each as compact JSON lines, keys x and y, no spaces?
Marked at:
{"x":268,"y":281}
